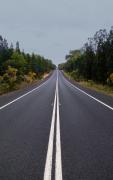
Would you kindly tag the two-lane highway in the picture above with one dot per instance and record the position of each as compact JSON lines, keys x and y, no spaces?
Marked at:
{"x":56,"y":131}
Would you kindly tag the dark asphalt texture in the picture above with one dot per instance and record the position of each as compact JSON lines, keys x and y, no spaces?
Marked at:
{"x":24,"y":134}
{"x":86,"y":133}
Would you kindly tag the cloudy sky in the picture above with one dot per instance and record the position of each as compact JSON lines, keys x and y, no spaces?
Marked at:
{"x":53,"y":27}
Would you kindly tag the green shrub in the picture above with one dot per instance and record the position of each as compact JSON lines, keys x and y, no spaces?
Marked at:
{"x":110,"y":79}
{"x":75,"y":75}
{"x":1,"y":79}
{"x":10,"y":77}
{"x":30,"y":77}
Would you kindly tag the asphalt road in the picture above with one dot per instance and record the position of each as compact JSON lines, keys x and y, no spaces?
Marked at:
{"x":56,"y":131}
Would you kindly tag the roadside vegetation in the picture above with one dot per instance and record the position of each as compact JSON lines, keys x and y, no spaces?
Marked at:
{"x":92,"y":65}
{"x":18,"y":67}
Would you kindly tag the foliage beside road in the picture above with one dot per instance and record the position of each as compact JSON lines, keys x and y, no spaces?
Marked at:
{"x":17,"y":67}
{"x":93,"y":63}
{"x":105,"y":89}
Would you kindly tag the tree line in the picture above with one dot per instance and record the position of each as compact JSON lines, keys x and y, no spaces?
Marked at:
{"x":94,"y":61}
{"x":17,"y":66}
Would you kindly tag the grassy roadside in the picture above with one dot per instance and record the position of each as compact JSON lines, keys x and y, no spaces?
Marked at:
{"x":22,"y":85}
{"x":105,"y":89}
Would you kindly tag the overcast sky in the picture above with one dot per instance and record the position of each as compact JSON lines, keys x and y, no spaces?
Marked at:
{"x":53,"y":27}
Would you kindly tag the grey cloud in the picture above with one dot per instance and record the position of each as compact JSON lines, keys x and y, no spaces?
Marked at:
{"x":53,"y":27}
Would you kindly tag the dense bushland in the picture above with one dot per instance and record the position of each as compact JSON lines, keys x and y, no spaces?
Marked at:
{"x":17,"y":66}
{"x":94,"y":61}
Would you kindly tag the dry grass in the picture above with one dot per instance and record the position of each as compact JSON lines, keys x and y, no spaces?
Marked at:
{"x":23,"y":84}
{"x":105,"y":89}
{"x":98,"y":87}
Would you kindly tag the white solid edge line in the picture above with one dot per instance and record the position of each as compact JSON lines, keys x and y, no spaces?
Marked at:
{"x":48,"y":164}
{"x":20,"y":97}
{"x":106,"y":105}
{"x":58,"y":162}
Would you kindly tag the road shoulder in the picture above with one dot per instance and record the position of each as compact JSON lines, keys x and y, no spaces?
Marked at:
{"x":100,"y":96}
{"x":5,"y":98}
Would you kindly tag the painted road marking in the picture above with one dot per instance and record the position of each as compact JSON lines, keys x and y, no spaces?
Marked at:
{"x":106,"y":105}
{"x":48,"y":165}
{"x":20,"y":97}
{"x":49,"y":157}
{"x":58,"y":164}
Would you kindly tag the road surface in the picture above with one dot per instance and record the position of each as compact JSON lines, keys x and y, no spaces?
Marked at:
{"x":56,"y":131}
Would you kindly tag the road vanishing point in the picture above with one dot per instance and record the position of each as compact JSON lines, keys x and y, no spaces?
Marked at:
{"x":56,"y":130}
